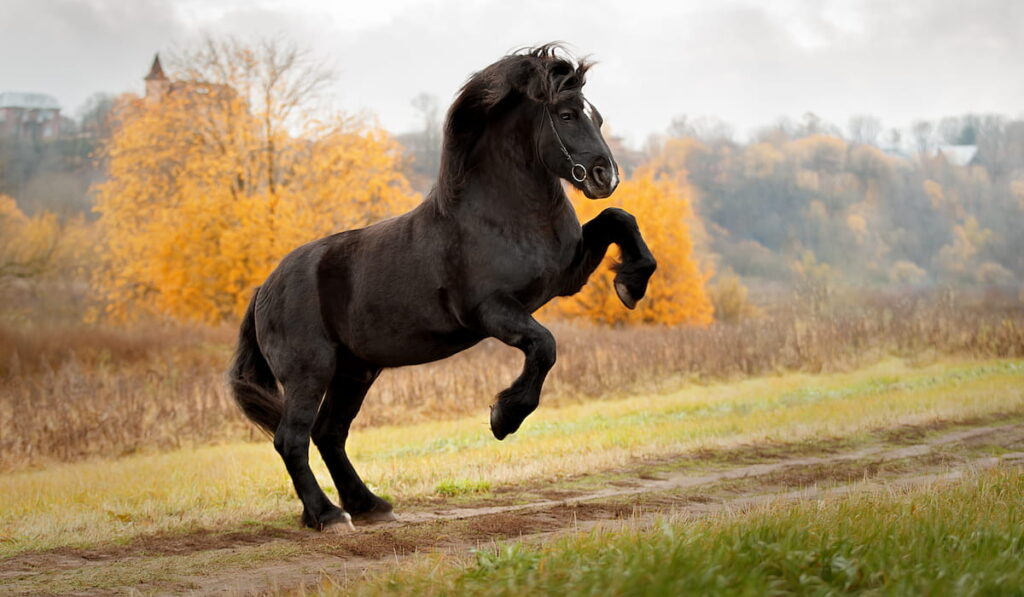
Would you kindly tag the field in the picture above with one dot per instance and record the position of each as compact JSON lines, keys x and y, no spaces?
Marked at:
{"x":961,"y":537}
{"x":875,"y":477}
{"x":70,"y":391}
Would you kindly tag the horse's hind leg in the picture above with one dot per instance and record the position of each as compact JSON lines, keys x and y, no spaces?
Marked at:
{"x":303,"y":390}
{"x":340,"y":407}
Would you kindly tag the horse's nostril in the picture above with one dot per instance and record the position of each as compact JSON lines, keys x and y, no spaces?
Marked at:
{"x":602,"y":175}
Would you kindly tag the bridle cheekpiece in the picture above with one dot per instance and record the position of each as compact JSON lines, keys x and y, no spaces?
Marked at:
{"x":576,"y":166}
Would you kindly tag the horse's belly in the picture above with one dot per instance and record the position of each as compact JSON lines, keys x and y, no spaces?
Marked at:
{"x":399,"y":350}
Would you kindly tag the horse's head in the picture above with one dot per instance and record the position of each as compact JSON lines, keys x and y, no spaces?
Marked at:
{"x":568,"y":134}
{"x":568,"y":131}
{"x":539,"y":92}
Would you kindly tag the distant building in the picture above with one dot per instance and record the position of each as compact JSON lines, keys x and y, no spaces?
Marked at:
{"x":33,"y":116}
{"x":957,"y":155}
{"x":157,"y":83}
{"x":158,"y":86}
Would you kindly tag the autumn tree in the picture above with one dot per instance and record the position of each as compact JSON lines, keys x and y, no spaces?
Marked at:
{"x":27,"y":245}
{"x":676,"y":294}
{"x":229,"y":169}
{"x":39,"y":245}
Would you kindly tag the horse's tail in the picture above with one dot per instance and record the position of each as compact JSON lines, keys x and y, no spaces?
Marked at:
{"x":252,"y":382}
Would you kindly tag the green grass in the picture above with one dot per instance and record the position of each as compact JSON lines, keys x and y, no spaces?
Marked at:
{"x":962,"y":540}
{"x":222,"y":487}
{"x":454,"y":487}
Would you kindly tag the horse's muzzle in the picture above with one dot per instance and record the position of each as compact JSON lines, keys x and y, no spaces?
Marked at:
{"x":603,"y":179}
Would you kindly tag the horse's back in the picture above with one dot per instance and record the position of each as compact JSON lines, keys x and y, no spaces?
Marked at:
{"x":398,"y":308}
{"x":377,"y":292}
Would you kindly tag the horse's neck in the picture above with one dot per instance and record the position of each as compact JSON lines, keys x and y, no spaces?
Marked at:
{"x":508,"y":176}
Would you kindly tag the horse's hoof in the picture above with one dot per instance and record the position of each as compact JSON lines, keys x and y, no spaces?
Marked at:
{"x":340,"y":526}
{"x":507,"y":415}
{"x":625,"y":296}
{"x":375,"y":517}
{"x":497,"y":423}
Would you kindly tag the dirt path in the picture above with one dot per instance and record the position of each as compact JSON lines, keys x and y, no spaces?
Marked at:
{"x":269,"y":559}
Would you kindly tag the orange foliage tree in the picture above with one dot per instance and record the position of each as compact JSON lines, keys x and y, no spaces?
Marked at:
{"x":39,"y":245}
{"x":676,"y":294}
{"x":214,"y":181}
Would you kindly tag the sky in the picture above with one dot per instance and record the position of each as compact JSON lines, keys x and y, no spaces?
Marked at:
{"x":748,"y":63}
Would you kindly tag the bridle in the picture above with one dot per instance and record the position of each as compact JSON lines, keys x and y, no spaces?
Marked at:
{"x":565,"y":152}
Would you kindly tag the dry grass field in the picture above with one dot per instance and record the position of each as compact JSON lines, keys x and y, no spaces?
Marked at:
{"x":127,"y":468}
{"x":72,"y":391}
{"x":198,"y":519}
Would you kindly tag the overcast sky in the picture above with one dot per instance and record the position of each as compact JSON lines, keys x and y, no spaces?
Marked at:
{"x":745,"y":62}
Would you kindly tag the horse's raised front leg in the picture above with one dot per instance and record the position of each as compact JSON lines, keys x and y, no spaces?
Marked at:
{"x":613,"y":226}
{"x":504,"y":318}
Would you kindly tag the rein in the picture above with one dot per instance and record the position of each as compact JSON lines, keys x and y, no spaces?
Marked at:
{"x":565,"y":151}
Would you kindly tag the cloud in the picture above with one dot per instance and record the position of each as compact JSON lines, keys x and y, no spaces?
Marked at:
{"x":747,"y":62}
{"x":72,"y":49}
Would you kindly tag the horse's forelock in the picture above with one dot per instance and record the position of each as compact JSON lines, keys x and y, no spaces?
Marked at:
{"x":566,"y":75}
{"x":547,"y":74}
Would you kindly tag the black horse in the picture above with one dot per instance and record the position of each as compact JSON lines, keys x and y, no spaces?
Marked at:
{"x":493,"y":241}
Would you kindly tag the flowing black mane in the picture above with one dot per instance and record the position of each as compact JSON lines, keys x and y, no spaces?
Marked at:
{"x":547,"y":74}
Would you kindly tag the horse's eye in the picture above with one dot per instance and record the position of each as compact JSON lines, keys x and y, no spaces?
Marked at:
{"x":566,"y":115}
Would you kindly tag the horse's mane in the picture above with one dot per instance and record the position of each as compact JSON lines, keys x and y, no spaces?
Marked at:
{"x":546,"y":74}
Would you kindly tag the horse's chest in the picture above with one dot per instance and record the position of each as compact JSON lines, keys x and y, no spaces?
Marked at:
{"x":529,"y":266}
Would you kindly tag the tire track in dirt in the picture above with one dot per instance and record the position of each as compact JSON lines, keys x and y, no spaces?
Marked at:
{"x":680,"y":481}
{"x":457,"y":530}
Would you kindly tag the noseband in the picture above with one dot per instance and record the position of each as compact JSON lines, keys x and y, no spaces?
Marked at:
{"x":575,"y":165}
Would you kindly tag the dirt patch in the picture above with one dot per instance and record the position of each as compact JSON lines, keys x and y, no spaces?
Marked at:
{"x":603,"y":510}
{"x":500,"y":526}
{"x":167,"y":544}
{"x":852,"y":471}
{"x":912,"y":434}
{"x":1010,"y":437}
{"x":370,"y":544}
{"x":161,"y":544}
{"x":558,"y":494}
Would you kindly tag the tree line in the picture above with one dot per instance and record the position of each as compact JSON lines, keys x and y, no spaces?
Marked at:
{"x":185,"y":203}
{"x":939,"y":211}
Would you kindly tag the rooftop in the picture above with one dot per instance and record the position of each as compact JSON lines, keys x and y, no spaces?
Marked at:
{"x":958,"y":155}
{"x":30,"y":101}
{"x":156,"y":71}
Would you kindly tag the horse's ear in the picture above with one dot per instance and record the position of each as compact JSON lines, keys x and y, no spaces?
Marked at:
{"x":566,"y":80}
{"x":537,"y":85}
{"x":527,"y":78}
{"x":561,"y":77}
{"x":566,"y":83}
{"x":546,"y":82}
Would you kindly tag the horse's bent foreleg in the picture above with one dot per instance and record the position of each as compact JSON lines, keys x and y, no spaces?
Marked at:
{"x":340,"y":407}
{"x":506,"y":319}
{"x":617,"y":226}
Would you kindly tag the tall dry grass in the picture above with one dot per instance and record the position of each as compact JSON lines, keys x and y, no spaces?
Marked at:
{"x":69,"y":392}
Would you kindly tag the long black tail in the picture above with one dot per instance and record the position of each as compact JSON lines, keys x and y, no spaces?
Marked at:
{"x":252,"y":382}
